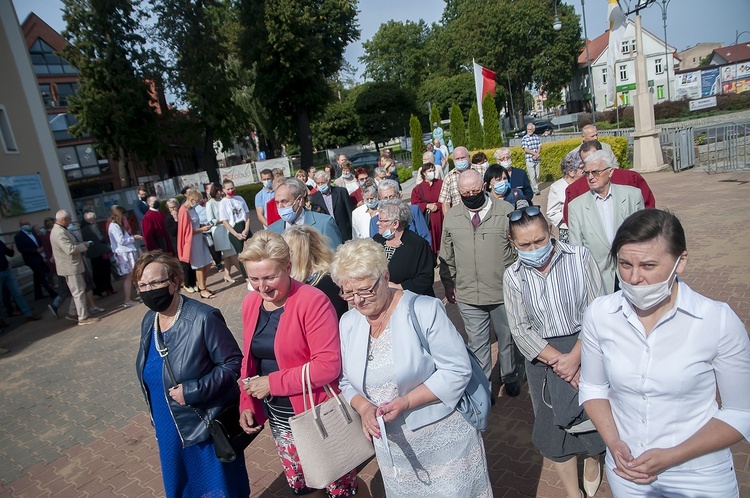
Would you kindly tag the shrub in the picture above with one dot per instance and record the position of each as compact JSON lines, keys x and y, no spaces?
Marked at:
{"x":492,"y":136}
{"x":435,"y":118}
{"x":405,"y":174}
{"x":476,"y":134}
{"x":417,"y":146}
{"x":458,"y":126}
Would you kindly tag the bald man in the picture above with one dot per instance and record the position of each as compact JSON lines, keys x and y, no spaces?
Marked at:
{"x":449,"y":194}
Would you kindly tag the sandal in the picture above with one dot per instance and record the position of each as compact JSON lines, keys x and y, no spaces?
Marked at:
{"x":210,"y":295}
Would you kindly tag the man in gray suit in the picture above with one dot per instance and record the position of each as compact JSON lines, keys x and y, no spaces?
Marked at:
{"x":291,"y":198}
{"x":593,"y":218}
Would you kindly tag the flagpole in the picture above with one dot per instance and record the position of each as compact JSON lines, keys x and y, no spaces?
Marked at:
{"x":588,"y":63}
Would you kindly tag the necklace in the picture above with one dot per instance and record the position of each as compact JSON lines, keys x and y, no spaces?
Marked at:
{"x":162,"y":351}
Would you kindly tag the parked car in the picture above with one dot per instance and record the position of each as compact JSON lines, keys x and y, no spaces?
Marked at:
{"x":367,"y":159}
{"x":542,"y":126}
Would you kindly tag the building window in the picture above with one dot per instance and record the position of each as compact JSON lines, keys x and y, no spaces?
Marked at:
{"x":46,"y":91}
{"x":79,"y":161}
{"x":625,"y":98}
{"x":693,"y":60}
{"x":623,"y":72}
{"x":660,"y":92}
{"x":632,"y":46}
{"x":59,"y":124}
{"x":658,"y":66}
{"x":65,"y":90}
{"x":604,"y":76}
{"x":625,"y":47}
{"x":45,"y":60}
{"x":6,"y":133}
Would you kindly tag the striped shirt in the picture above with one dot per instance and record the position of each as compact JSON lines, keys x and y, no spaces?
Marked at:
{"x":552,"y":304}
{"x":449,"y":192}
{"x":531,"y":142}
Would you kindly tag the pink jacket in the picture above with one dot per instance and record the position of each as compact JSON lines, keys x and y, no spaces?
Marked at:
{"x":308,"y":331}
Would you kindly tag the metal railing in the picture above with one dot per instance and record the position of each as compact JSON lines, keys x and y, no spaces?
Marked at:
{"x":622,"y":132}
{"x":718,"y":148}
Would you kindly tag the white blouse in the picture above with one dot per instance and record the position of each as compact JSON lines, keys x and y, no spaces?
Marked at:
{"x":556,"y":201}
{"x":662,"y":388}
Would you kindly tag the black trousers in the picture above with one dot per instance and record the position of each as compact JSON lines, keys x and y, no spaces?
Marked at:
{"x":238,"y":244}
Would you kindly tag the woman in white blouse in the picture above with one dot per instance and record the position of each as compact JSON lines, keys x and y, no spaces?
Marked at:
{"x":123,"y":247}
{"x":653,"y":355}
{"x":572,"y":169}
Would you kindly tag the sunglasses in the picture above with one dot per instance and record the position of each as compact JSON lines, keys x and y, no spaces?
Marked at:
{"x":529,"y":210}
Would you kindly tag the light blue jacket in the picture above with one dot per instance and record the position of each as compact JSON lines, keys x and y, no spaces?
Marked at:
{"x":323,"y":223}
{"x":446,"y":373}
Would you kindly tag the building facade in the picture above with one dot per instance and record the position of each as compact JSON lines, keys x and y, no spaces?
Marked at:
{"x":690,"y":58}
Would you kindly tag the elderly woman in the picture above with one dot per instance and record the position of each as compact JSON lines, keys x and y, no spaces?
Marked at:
{"x":362,"y":215}
{"x":545,"y":310}
{"x":379,"y":175}
{"x":347,"y":179}
{"x":311,"y":259}
{"x":497,"y":183}
{"x":205,"y":360}
{"x":572,"y":169}
{"x":219,"y":232}
{"x":426,"y":195}
{"x":170,"y":221}
{"x":653,"y":355}
{"x":286,"y":325}
{"x":123,"y":247}
{"x":192,"y":247}
{"x":427,"y":448}
{"x":411,"y":262}
{"x":518,"y":177}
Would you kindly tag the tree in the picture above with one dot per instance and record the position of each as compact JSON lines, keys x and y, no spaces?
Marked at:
{"x":112,"y":100}
{"x":516,"y":38}
{"x":458,"y":127}
{"x":295,"y":56}
{"x":396,"y":53}
{"x":492,"y":135}
{"x":442,"y":91}
{"x":417,"y":146}
{"x":337,"y":127}
{"x":194,"y":36}
{"x":476,"y":134}
{"x":434,"y":117}
{"x":383,"y":110}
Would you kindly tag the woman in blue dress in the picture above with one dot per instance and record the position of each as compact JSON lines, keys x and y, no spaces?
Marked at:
{"x":205,"y":359}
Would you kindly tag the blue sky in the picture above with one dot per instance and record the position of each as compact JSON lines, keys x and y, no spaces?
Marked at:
{"x":688,"y":21}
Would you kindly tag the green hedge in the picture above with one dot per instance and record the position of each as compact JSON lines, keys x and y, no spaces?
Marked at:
{"x":404,"y":174}
{"x":554,"y":152}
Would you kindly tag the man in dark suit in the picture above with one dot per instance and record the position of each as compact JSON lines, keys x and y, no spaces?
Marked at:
{"x":333,"y":201}
{"x":32,"y":252}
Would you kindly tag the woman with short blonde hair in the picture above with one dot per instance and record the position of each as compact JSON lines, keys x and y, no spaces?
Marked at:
{"x":192,"y":247}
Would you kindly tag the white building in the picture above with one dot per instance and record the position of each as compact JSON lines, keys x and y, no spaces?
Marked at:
{"x":659,"y":67}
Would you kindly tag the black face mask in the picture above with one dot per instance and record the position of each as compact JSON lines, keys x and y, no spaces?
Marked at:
{"x":475,"y":201}
{"x":156,"y":205}
{"x":157,"y":299}
{"x":143,"y":197}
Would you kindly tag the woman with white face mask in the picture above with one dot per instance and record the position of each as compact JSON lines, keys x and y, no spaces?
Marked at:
{"x":653,"y":355}
{"x":546,"y":293}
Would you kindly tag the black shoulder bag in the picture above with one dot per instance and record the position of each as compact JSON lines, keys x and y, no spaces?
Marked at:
{"x":228,"y":437}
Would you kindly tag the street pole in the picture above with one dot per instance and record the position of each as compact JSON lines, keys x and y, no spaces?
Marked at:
{"x":738,"y":34}
{"x":664,"y":5}
{"x":588,"y":64}
{"x":512,"y":109}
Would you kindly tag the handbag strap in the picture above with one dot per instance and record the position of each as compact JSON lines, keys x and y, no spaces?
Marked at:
{"x":417,"y":327}
{"x":307,"y":387}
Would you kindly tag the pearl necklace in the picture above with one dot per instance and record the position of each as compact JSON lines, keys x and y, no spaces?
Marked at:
{"x":162,"y":352}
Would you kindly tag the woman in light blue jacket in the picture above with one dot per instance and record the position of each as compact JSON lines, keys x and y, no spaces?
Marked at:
{"x":405,"y":396}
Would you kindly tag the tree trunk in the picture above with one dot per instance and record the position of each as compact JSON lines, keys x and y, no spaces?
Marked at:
{"x":122,"y":169}
{"x":305,"y":138}
{"x":208,"y":161}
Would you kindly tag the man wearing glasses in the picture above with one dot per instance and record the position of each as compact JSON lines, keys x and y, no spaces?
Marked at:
{"x":593,"y":218}
{"x":474,"y":254}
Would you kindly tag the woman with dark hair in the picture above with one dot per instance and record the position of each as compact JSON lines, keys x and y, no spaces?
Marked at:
{"x":653,"y":355}
{"x":426,"y":195}
{"x":546,"y":292}
{"x":497,"y":183}
{"x":205,"y":360}
{"x":572,"y":169}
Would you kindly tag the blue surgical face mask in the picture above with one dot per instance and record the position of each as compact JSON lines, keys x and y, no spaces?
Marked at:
{"x":501,"y":187}
{"x":372,"y":204}
{"x":268,"y":184}
{"x":537,"y":257}
{"x":347,"y":175}
{"x":26,"y":228}
{"x":462,"y":165}
{"x":388,"y":234}
{"x":288,"y":213}
{"x":323,"y":188}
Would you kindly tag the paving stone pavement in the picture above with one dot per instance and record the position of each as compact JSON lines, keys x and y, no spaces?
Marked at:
{"x":74,"y":421}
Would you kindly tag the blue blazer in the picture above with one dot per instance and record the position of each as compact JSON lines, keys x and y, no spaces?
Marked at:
{"x":323,"y":223}
{"x":446,"y":373}
{"x":418,"y":225}
{"x":520,"y":179}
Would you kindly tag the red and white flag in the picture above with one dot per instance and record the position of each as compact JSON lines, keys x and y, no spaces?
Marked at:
{"x":484,"y":82}
{"x":617,"y":25}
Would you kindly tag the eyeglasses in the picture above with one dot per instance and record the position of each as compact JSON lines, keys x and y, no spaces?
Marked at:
{"x":154,"y":284}
{"x":531,"y":211}
{"x":385,"y":222}
{"x":470,"y":193}
{"x":366,"y":294}
{"x":595,"y":172}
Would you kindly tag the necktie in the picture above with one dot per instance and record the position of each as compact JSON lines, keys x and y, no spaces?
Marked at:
{"x":475,"y":220}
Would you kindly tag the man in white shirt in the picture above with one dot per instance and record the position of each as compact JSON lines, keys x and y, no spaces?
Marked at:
{"x":593,"y":218}
{"x":235,"y":215}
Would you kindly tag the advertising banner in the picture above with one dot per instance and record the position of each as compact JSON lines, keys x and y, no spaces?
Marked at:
{"x":729,"y":73}
{"x":688,"y":85}
{"x":278,"y":162}
{"x":242,"y":174}
{"x":710,"y":84}
{"x":22,"y":194}
{"x":743,"y":70}
{"x":196,"y":181}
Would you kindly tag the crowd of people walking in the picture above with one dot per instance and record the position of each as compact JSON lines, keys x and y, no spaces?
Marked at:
{"x":621,"y":359}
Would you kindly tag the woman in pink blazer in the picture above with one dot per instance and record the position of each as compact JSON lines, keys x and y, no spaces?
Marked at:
{"x":286,"y":324}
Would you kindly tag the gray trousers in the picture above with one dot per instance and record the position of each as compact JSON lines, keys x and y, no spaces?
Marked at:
{"x":477,"y":324}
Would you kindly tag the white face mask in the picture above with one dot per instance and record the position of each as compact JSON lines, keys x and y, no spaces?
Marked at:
{"x":430,"y":175}
{"x":645,"y":297}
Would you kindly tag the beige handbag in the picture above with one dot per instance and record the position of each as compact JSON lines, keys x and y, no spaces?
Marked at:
{"x":328,"y":437}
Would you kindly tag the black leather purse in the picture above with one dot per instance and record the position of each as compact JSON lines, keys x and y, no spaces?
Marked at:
{"x":228,"y":437}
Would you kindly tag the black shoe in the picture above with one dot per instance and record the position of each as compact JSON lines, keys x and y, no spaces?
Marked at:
{"x":513,"y":389}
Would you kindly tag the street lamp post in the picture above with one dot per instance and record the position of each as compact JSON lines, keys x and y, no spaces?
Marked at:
{"x":588,"y":64}
{"x":663,"y":6}
{"x":738,"y":34}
